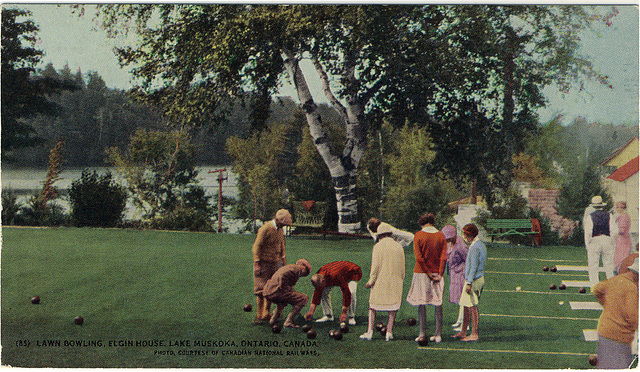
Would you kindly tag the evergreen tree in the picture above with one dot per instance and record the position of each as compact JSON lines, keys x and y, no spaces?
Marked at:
{"x":24,"y":96}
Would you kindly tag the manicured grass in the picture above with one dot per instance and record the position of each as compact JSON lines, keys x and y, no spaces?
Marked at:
{"x":190,"y":287}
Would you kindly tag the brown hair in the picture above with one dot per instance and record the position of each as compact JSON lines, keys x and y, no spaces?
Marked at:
{"x":427,"y":218}
{"x":373,"y":224}
{"x":471,"y":230}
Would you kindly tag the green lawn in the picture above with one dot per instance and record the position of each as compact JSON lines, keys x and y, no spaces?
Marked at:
{"x":188,"y":290}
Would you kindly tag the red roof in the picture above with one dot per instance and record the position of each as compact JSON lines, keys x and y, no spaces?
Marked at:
{"x":625,"y":171}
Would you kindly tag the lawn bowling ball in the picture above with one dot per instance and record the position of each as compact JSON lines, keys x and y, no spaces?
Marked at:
{"x":35,"y":300}
{"x":78,"y":320}
{"x":383,"y":330}
{"x":276,"y":328}
{"x":593,"y":359}
{"x":423,"y":340}
{"x":545,"y":268}
{"x":554,"y":269}
{"x":552,"y":287}
{"x":379,"y":326}
{"x":247,"y":307}
{"x":518,"y":289}
{"x":306,"y":328}
{"x":311,"y":334}
{"x":344,"y":327}
{"x":337,"y":335}
{"x":411,"y":322}
{"x":582,"y":290}
{"x":562,"y":286}
{"x":332,"y":333}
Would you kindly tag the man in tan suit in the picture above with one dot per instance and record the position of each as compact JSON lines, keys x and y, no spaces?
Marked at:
{"x":268,"y":256}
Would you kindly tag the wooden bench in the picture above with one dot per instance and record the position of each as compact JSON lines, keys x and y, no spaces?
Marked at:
{"x":502,"y":227}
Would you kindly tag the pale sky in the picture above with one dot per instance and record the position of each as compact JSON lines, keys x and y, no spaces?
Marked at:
{"x":67,"y":39}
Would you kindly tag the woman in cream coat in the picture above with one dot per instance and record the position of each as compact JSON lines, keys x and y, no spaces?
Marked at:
{"x":385,"y":280}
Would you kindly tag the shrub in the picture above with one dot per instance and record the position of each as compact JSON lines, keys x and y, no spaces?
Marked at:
{"x":10,"y":207}
{"x":183,"y":218}
{"x":36,"y":213}
{"x":404,"y":207}
{"x":96,"y":200}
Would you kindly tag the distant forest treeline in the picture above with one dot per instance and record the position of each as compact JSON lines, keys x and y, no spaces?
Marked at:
{"x":95,"y":117}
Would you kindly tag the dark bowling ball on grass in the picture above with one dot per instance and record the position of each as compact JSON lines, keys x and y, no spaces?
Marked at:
{"x":582,"y":290}
{"x":247,"y":308}
{"x":545,"y":268}
{"x":552,"y":287}
{"x":562,"y":286}
{"x":306,"y":328}
{"x":383,"y":330}
{"x":379,"y":326}
{"x":35,"y":300}
{"x":344,"y":327}
{"x":311,"y":334}
{"x":593,"y":359}
{"x":78,"y":320}
{"x":554,"y":269}
{"x":276,"y":328}
{"x":337,"y":335}
{"x":411,"y":322}
{"x":423,"y":341}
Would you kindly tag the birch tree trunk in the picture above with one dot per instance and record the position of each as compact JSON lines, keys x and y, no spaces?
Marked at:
{"x":343,"y":168}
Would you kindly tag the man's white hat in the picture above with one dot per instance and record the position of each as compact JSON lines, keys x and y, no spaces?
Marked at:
{"x":596,"y":201}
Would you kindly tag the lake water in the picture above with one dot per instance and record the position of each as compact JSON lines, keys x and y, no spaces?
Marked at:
{"x":25,"y":181}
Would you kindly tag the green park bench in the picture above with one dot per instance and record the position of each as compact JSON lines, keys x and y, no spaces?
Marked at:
{"x":500,"y":227}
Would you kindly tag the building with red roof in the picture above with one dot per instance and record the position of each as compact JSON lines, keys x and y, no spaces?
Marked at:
{"x":622,"y":183}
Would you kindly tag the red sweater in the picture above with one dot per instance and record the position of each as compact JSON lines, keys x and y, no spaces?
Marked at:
{"x":430,"y":249}
{"x":338,"y":274}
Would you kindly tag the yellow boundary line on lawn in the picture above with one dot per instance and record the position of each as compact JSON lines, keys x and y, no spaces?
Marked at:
{"x":538,"y":317}
{"x":517,"y":273}
{"x":504,"y":351}
{"x":561,"y":292}
{"x":529,"y":259}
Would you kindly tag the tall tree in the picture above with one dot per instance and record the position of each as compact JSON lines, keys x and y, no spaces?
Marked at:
{"x":404,"y":63}
{"x":521,"y":49}
{"x":24,"y":96}
{"x":371,"y":61}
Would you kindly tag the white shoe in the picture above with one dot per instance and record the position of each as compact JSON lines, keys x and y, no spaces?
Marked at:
{"x":388,"y":337}
{"x":459,"y":328}
{"x":352,"y":321}
{"x":366,"y":336}
{"x":418,"y":338}
{"x":456,"y":324}
{"x":436,"y":339}
{"x":324,"y":319}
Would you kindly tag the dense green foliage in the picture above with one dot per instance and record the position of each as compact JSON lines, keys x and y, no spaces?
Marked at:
{"x":24,"y":96}
{"x":96,"y":200}
{"x":162,"y":179}
{"x":474,"y":74}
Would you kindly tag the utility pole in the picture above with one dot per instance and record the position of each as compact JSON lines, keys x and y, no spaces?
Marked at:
{"x":220,"y":180}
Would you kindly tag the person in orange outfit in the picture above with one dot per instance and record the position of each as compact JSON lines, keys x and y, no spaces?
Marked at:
{"x":344,"y":275}
{"x":427,"y":285}
{"x":619,"y":319}
{"x":268,"y":256}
